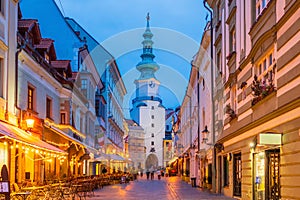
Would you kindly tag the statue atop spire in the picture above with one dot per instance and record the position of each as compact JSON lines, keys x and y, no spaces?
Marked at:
{"x":147,"y":66}
{"x":148,"y":19}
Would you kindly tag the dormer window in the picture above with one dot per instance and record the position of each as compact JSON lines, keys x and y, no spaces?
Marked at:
{"x":47,"y":57}
{"x":30,"y":39}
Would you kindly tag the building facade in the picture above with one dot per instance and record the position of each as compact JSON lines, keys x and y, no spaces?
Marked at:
{"x":255,"y":49}
{"x":202,"y":87}
{"x":136,"y":146}
{"x":95,"y":73}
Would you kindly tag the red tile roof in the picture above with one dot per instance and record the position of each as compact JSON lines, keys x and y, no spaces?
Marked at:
{"x":26,"y":23}
{"x":45,"y":43}
{"x":169,"y":115}
{"x":131,"y":122}
{"x":60,"y":63}
{"x":74,"y":75}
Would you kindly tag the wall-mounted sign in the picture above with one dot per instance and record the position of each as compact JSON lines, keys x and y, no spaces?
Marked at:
{"x":4,"y":187}
{"x":269,"y":139}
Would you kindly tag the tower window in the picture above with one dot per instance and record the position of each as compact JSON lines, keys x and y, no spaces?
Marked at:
{"x":152,"y":134}
{"x":152,"y":142}
{"x":152,"y":125}
{"x":152,"y":107}
{"x":152,"y":117}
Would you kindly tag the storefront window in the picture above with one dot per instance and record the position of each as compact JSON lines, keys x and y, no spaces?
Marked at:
{"x":259,"y":176}
{"x":3,"y":155}
{"x":266,"y":175}
{"x":226,"y":171}
{"x":237,"y":174}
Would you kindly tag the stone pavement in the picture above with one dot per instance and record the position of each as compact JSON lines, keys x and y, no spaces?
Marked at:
{"x":168,"y":188}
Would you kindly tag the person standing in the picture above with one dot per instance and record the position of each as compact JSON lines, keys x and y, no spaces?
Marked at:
{"x":152,"y":175}
{"x":158,"y":174}
{"x":148,"y":174}
{"x":104,"y":170}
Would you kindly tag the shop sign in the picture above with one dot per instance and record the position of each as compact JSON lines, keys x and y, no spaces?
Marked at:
{"x":269,"y":139}
{"x":4,"y":187}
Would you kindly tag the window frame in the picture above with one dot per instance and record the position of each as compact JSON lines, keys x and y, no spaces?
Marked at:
{"x":2,"y":7}
{"x":233,"y":98}
{"x":30,"y":97}
{"x":219,"y":61}
{"x":262,"y":71}
{"x":237,"y":174}
{"x":260,"y":6}
{"x":49,"y":106}
{"x":225,"y":171}
{"x":232,"y":40}
{"x":63,"y":119}
{"x":84,"y":84}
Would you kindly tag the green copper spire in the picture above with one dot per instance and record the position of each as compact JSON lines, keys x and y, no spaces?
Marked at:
{"x":147,"y":66}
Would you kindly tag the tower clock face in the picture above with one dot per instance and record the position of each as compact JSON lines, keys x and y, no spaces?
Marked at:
{"x":152,"y":84}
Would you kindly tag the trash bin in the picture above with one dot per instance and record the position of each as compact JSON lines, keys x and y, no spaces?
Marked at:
{"x":193,"y":180}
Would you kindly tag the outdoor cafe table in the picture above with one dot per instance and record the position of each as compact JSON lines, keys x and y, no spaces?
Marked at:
{"x":33,"y":188}
{"x":76,"y":188}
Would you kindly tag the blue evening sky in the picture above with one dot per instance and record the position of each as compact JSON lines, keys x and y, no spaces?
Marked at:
{"x":118,"y":25}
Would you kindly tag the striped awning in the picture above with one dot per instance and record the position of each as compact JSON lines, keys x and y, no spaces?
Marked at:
{"x":115,"y":157}
{"x":15,"y":133}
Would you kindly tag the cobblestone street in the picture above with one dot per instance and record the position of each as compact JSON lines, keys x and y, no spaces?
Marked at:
{"x":166,"y":188}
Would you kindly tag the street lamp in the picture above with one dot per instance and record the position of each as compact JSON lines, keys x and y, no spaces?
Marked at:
{"x":205,"y":135}
{"x":29,"y":123}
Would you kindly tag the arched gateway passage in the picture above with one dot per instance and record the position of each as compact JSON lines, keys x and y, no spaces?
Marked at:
{"x":151,"y":161}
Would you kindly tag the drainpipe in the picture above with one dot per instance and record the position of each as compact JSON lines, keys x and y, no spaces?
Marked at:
{"x":17,"y":79}
{"x":212,"y":99}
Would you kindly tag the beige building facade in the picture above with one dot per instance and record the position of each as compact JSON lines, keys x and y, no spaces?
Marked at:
{"x":136,"y":146}
{"x":256,"y":51}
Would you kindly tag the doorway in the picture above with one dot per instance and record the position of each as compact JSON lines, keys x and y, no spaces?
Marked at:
{"x":266,"y":175}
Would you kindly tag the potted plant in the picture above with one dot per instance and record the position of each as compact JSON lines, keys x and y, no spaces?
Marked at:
{"x":229,"y":111}
{"x":261,"y":89}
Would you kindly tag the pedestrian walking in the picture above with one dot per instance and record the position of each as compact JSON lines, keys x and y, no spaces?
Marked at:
{"x":148,"y":174}
{"x":104,"y":170}
{"x":152,"y":175}
{"x":158,"y":174}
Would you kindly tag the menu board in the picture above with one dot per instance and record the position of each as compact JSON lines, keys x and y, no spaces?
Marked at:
{"x":4,"y":187}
